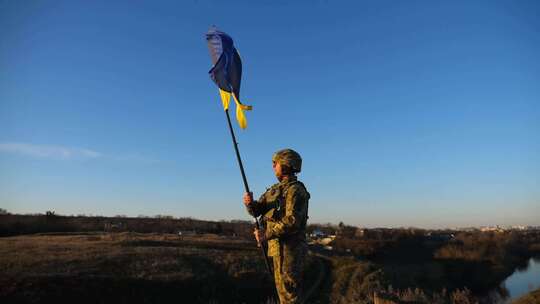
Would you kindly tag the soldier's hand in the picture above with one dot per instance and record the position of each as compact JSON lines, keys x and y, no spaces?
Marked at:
{"x":259,"y":236}
{"x":248,"y":198}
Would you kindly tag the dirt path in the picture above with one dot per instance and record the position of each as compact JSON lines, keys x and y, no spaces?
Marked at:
{"x":353,"y":276}
{"x":321,"y":290}
{"x":323,"y":272}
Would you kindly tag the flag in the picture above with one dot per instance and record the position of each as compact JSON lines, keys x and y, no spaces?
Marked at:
{"x":226,"y":71}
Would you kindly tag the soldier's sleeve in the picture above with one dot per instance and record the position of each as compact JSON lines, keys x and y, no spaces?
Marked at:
{"x":258,"y":207}
{"x":295,"y":213}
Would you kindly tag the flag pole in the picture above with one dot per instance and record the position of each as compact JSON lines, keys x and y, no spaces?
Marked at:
{"x":246,"y":186}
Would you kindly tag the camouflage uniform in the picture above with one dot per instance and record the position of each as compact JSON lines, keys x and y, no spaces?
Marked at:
{"x":284,"y":207}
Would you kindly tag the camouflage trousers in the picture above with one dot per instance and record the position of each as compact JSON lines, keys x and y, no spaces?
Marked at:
{"x":288,"y":273}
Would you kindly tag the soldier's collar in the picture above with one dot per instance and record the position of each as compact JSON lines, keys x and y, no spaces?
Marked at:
{"x":288,"y":179}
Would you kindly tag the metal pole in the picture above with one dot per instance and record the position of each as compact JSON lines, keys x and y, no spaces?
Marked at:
{"x":246,"y":186}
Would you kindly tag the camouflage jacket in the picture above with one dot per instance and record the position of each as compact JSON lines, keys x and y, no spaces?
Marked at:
{"x":284,"y":207}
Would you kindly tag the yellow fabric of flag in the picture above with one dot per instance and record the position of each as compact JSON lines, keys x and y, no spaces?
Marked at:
{"x":240,"y":115}
{"x":225,"y":98}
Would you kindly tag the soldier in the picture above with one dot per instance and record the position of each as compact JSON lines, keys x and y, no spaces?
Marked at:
{"x":284,"y":207}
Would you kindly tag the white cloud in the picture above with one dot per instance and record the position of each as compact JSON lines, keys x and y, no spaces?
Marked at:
{"x":47,"y":151}
{"x":66,"y":153}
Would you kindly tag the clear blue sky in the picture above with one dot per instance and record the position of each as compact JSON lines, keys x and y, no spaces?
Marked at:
{"x":407,"y":113}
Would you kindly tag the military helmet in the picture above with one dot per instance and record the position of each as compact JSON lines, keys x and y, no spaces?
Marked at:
{"x":290,"y":158}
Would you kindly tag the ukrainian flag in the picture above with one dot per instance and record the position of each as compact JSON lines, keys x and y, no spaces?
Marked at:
{"x":227,"y":71}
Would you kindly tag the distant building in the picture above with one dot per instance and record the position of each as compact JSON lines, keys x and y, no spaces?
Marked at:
{"x":327,"y":240}
{"x":492,"y":229}
{"x":317,"y":233}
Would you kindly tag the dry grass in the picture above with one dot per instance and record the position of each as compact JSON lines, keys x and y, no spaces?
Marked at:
{"x":197,"y":265}
{"x":165,"y":268}
{"x":532,"y":297}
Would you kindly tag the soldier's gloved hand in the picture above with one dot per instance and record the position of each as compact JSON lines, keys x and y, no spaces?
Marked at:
{"x":248,"y":198}
{"x":259,"y":236}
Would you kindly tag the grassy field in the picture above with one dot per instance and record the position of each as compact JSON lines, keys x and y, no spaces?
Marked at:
{"x":130,"y":267}
{"x":166,"y":268}
{"x":161,"y":268}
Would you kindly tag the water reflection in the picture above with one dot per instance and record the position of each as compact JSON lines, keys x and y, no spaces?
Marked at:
{"x":523,"y":280}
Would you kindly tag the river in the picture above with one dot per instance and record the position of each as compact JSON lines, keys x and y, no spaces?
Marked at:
{"x":523,"y":281}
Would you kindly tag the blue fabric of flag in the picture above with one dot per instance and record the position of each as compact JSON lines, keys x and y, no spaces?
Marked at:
{"x":227,"y":69}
